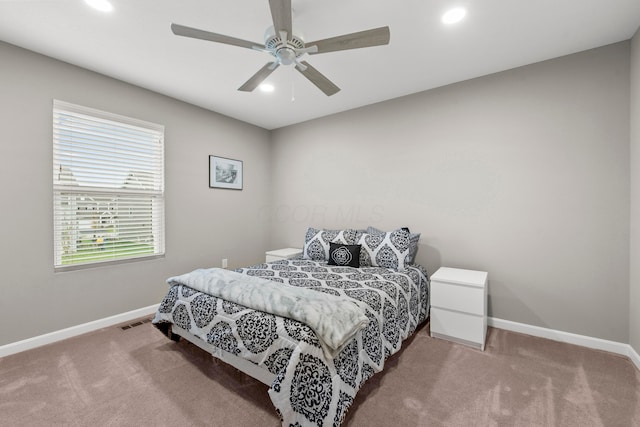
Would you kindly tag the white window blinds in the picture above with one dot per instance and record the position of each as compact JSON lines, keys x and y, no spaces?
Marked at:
{"x":108,"y":187}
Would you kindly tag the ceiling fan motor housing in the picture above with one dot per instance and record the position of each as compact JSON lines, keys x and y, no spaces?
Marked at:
{"x":285,"y":50}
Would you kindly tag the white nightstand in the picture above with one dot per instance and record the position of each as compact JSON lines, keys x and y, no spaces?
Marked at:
{"x":459,"y":306}
{"x":279,"y":254}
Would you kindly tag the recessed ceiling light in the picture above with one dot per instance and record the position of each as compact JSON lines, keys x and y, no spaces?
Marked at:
{"x":454,"y":15}
{"x":101,"y":5}
{"x":265,"y":87}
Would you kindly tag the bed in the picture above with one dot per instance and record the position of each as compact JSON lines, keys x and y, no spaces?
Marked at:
{"x":309,"y":385}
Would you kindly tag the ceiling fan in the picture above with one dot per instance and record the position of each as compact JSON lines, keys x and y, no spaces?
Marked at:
{"x":287,"y":47}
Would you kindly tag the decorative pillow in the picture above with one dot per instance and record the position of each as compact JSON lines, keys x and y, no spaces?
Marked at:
{"x":346,"y":255}
{"x":316,"y":242}
{"x":387,"y":250}
{"x":413,"y":242}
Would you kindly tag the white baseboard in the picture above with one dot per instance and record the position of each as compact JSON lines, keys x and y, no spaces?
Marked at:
{"x":568,"y":337}
{"x":537,"y":331}
{"x":73,"y":331}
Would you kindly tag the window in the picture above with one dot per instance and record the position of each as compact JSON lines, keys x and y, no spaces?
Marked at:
{"x":108,"y":187}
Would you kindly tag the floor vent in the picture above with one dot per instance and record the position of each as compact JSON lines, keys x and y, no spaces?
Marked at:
{"x":133,"y":325}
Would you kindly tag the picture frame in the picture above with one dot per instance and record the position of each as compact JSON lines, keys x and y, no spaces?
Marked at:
{"x":225,"y":173}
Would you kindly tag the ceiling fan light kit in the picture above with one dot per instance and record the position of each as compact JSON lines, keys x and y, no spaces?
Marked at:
{"x":453,"y":16}
{"x":287,"y":48}
{"x":101,"y":5}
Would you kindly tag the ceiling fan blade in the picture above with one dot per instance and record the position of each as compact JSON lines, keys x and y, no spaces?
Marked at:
{"x":318,"y":79}
{"x":259,"y":77}
{"x":181,"y":30}
{"x":367,"y":38}
{"x":281,"y":14}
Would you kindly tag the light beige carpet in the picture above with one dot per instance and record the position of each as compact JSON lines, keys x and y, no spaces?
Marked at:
{"x":135,"y":377}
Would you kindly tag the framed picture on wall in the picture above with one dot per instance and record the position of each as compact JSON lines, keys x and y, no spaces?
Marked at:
{"x":225,"y":173}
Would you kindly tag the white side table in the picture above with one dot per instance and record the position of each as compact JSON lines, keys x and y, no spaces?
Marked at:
{"x":459,"y":306}
{"x":280,"y":254}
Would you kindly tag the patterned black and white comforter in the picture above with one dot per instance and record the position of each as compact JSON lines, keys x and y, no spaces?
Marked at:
{"x":309,"y":388}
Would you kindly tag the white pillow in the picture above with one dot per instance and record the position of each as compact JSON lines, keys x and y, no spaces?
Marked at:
{"x":316,"y":242}
{"x":389,"y":250}
{"x":413,"y":245}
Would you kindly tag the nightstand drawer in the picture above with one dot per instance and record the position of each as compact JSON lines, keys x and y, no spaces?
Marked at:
{"x":458,"y":297}
{"x":466,"y":327}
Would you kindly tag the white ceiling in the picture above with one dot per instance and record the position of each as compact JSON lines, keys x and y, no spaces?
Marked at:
{"x":134,"y":43}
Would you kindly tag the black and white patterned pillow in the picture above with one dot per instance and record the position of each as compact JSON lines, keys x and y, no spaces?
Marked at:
{"x":387,"y":250}
{"x":413,"y":243}
{"x":316,"y":242}
{"x":344,"y":255}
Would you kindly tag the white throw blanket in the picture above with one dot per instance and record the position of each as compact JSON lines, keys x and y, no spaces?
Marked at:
{"x":334,"y":320}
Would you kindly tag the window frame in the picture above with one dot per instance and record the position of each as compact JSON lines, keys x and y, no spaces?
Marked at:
{"x":152,"y":199}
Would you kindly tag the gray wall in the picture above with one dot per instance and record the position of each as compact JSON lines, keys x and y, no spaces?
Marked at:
{"x":524,"y":174}
{"x":634,"y":300}
{"x":202,"y":225}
